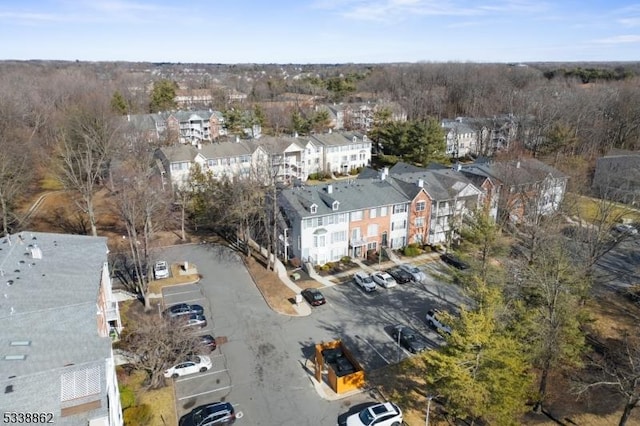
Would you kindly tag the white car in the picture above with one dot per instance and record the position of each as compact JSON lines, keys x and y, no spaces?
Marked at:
{"x":417,"y":274}
{"x":384,"y":414}
{"x":365,"y":281}
{"x":434,"y":321}
{"x":161,"y":270}
{"x":198,"y":363}
{"x":625,"y":228}
{"x":384,"y":279}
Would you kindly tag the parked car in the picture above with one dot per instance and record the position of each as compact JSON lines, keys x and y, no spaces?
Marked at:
{"x":400,"y":275}
{"x":454,"y":261}
{"x":183,"y":309}
{"x":384,"y":279}
{"x":409,"y":339}
{"x":214,"y":414}
{"x":365,"y":281}
{"x":313,"y":296}
{"x":434,"y":321}
{"x":625,"y":228}
{"x":197,"y":363}
{"x":161,"y":270}
{"x":416,"y":274}
{"x":208,"y":342}
{"x":194,"y":320}
{"x":383,"y":414}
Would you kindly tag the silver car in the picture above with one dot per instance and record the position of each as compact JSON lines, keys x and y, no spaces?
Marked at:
{"x":365,"y":281}
{"x":417,"y":274}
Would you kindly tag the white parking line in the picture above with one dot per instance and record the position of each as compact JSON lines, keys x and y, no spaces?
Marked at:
{"x":205,"y":393}
{"x":399,"y":345}
{"x":208,"y":373}
{"x":374,"y":349}
{"x":195,"y":290}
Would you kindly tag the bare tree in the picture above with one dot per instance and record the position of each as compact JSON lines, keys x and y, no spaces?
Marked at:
{"x":156,"y":344}
{"x":142,"y":206}
{"x":617,"y":366}
{"x":85,"y":148}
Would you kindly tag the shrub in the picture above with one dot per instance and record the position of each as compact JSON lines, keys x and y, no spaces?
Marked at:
{"x":139,"y":415}
{"x":127,"y":397}
{"x":345,"y":259}
{"x":411,"y":250}
{"x":325,"y":267}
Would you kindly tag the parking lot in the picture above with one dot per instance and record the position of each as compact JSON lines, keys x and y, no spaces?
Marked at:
{"x":261,"y":367}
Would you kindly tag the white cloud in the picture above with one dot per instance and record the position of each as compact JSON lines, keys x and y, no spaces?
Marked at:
{"x":398,"y":10}
{"x":621,"y":39}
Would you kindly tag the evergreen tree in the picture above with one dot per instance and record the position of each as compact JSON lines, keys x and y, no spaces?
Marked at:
{"x":119,"y":104}
{"x":482,"y":372}
{"x":163,"y":96}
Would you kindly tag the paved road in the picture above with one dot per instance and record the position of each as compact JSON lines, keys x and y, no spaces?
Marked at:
{"x":264,"y":355}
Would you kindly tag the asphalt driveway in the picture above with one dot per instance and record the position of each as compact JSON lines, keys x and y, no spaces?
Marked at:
{"x":261,"y":367}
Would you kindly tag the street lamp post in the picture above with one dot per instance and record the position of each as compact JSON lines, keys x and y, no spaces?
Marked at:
{"x":286,"y":246}
{"x":429,"y":398}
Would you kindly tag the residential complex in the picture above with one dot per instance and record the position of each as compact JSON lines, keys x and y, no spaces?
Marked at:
{"x":58,"y":313}
{"x":287,"y":158}
{"x":411,"y":205}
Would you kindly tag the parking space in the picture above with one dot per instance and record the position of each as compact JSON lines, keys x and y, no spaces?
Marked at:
{"x":200,"y":388}
{"x":364,"y":320}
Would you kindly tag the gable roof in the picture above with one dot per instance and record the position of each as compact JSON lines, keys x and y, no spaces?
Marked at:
{"x":355,"y":194}
{"x":336,"y":138}
{"x":516,"y":172}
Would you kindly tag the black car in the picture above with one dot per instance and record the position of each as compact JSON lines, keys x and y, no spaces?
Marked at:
{"x":183,"y":309}
{"x":313,"y":296}
{"x":454,"y":261}
{"x":208,"y":342}
{"x":215,"y":414}
{"x":400,"y":275}
{"x":409,"y":339}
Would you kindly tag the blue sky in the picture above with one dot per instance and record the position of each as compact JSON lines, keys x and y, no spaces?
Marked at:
{"x":320,"y":31}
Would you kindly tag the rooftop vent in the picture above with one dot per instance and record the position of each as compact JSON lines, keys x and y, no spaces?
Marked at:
{"x":36,"y":253}
{"x":15,"y":357}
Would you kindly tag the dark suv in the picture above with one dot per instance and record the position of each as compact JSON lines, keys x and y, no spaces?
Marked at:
{"x":183,"y":309}
{"x":454,"y":261}
{"x":214,"y":414}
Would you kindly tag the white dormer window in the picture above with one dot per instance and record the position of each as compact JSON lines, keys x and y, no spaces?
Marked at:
{"x":355,"y":139}
{"x":314,"y":208}
{"x":335,"y":205}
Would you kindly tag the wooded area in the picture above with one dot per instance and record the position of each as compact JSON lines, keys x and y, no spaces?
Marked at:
{"x":62,"y":127}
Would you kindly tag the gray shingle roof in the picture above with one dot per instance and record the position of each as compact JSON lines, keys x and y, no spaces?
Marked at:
{"x":51,"y":303}
{"x":356,"y":194}
{"x":516,"y":172}
{"x":335,"y":138}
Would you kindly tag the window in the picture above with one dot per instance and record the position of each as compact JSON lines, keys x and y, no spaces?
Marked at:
{"x":372,"y":245}
{"x":372,"y":213}
{"x":313,"y":208}
{"x":383,"y":211}
{"x":419,"y":222}
{"x":308,"y":223}
{"x":338,"y":236}
{"x":421,"y":206}
{"x":319,"y":240}
{"x":372,"y":230}
{"x":355,"y":234}
{"x":399,"y":208}
{"x":354,"y":157}
{"x":212,"y":163}
{"x":335,"y":205}
{"x":399,"y":225}
{"x":355,"y":216}
{"x":320,"y":221}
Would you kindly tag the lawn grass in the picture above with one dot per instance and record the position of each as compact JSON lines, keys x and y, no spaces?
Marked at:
{"x":591,"y":209}
{"x":160,"y":401}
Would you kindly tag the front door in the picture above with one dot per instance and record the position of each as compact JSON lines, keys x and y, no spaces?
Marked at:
{"x":384,"y":239}
{"x":357,"y":251}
